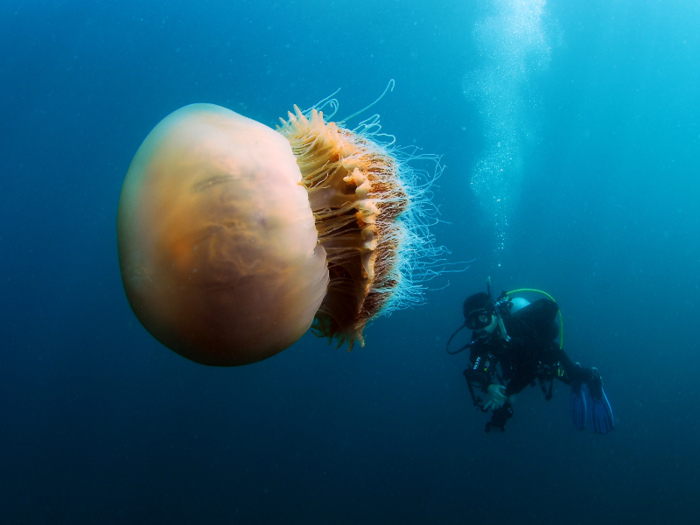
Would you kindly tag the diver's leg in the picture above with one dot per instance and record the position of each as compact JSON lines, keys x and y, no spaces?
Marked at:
{"x":574,"y":374}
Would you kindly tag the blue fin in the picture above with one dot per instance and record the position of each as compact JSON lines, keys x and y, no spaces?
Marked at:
{"x":579,"y":411}
{"x":601,"y":413}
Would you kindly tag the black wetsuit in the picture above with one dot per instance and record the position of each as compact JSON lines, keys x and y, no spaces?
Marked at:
{"x":530,"y":355}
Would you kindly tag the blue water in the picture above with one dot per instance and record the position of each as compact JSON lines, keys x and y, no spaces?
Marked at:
{"x":594,"y":105}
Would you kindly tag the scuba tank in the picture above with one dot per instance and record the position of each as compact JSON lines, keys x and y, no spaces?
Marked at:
{"x":507,"y":303}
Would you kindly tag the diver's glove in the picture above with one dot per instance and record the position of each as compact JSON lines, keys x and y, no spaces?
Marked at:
{"x":497,"y":397}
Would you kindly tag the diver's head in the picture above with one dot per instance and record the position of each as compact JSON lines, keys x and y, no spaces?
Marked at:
{"x":479,"y":314}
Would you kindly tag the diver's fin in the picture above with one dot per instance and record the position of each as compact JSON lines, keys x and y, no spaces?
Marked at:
{"x":600,"y":410}
{"x":579,"y":411}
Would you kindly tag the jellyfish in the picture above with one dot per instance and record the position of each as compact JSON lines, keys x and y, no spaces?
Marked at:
{"x":235,"y":239}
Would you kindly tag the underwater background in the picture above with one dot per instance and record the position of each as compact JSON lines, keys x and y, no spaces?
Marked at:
{"x":569,"y":131}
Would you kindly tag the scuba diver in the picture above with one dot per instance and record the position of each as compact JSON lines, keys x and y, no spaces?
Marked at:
{"x":518,"y":337}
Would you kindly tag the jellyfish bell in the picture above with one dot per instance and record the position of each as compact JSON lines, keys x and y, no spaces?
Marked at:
{"x":217,"y":244}
{"x":234,"y":238}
